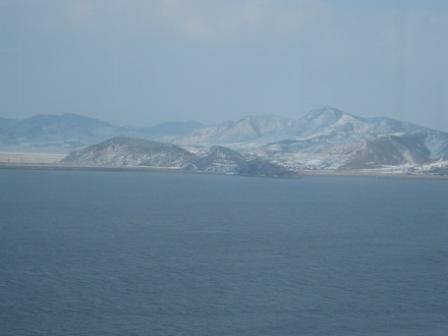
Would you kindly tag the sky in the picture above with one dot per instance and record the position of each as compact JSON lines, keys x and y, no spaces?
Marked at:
{"x":141,"y":62}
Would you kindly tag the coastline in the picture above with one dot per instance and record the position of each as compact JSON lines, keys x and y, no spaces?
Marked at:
{"x":306,"y":173}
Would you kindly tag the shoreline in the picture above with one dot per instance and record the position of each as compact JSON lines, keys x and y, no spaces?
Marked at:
{"x":307,"y":173}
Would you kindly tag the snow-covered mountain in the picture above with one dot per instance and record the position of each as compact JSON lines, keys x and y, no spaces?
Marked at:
{"x":245,"y":132}
{"x":328,"y":138}
{"x":123,"y":151}
{"x":132,"y":152}
{"x":323,"y":139}
{"x":331,"y":139}
{"x":219,"y":159}
{"x":258,"y":130}
{"x":223,"y":160}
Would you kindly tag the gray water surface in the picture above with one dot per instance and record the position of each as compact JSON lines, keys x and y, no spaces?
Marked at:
{"x":131,"y":253}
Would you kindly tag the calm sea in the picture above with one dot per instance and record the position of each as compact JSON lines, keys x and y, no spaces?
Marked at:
{"x":131,"y":253}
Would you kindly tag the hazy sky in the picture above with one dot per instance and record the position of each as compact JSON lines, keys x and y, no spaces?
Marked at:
{"x":145,"y":61}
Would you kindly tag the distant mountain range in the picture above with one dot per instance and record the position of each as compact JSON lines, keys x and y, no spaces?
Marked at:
{"x":323,"y":139}
{"x":67,"y":132}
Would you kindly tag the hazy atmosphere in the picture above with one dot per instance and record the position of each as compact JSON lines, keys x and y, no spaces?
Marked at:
{"x":144,"y":62}
{"x":223,"y":167}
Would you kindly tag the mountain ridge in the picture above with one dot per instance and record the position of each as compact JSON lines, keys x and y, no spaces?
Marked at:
{"x":132,"y":152}
{"x":323,"y":139}
{"x":68,"y":132}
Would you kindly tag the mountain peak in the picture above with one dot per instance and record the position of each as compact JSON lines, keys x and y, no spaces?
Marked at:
{"x":321,"y":120}
{"x":325,"y":113}
{"x":224,"y":153}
